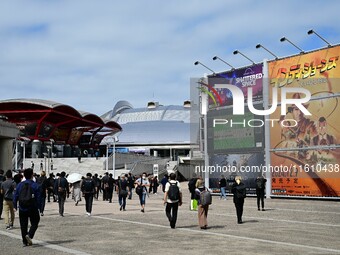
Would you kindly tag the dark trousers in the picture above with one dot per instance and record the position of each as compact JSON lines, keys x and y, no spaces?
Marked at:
{"x":171,"y":210}
{"x":105,"y":193}
{"x":43,"y":202}
{"x":122,"y":201}
{"x":260,"y":196}
{"x":131,"y":191}
{"x":34,"y":217}
{"x":110,"y":194}
{"x":88,"y":202}
{"x":239,"y":209}
{"x":1,"y":204}
{"x":61,"y":202}
{"x":50,"y":193}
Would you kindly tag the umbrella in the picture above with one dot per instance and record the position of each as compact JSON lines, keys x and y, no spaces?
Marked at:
{"x":74,"y":177}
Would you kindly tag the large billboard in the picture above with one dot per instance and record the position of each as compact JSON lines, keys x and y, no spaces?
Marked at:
{"x":296,"y":142}
{"x":242,"y":78}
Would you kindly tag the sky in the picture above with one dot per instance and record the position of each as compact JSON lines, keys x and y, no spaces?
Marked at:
{"x":90,"y":54}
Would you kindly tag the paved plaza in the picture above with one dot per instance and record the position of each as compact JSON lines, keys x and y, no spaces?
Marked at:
{"x":286,"y":227}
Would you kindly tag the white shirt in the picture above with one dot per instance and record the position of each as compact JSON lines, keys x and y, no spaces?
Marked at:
{"x":167,"y":187}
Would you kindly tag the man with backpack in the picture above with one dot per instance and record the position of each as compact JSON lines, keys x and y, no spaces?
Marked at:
{"x":172,"y":199}
{"x":88,"y":187}
{"x":2,"y":179}
{"x":7,"y":190}
{"x":260,"y":188}
{"x":28,"y":195}
{"x":62,"y":188}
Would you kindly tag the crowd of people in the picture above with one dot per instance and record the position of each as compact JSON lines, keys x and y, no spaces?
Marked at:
{"x":27,"y":192}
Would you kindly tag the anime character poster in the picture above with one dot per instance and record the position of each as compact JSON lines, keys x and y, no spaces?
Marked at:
{"x":305,"y":145}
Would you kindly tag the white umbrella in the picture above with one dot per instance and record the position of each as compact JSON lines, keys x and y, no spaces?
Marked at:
{"x":74,"y":177}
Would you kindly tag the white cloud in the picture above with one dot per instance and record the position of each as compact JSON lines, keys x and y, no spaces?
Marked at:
{"x":90,"y":54}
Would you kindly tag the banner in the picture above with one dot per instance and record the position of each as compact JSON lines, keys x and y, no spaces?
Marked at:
{"x":296,"y":137}
{"x":241,"y":78}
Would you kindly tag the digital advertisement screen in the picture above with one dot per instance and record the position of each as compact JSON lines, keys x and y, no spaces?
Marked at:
{"x":233,"y":133}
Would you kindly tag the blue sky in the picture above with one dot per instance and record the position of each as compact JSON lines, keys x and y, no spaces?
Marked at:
{"x":91,"y":54}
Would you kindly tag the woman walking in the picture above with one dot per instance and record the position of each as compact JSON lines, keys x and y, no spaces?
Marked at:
{"x":203,"y":206}
{"x":239,"y":191}
{"x":122,"y":192}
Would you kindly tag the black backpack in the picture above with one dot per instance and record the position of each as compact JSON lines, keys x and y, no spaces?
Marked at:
{"x":173,"y":192}
{"x":26,"y":196}
{"x":88,"y":186}
{"x":260,"y":183}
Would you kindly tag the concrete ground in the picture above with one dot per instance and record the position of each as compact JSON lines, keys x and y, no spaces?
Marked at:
{"x":286,"y":227}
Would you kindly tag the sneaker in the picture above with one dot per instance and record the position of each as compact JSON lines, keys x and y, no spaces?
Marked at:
{"x":29,"y":240}
{"x":8,"y":227}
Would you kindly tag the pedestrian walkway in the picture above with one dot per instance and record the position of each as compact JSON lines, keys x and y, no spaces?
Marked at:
{"x":286,"y":227}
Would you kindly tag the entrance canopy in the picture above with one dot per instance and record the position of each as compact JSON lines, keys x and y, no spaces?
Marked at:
{"x":45,"y":120}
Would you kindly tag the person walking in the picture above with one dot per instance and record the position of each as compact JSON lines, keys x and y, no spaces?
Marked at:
{"x":105,"y":186}
{"x":62,"y":188}
{"x":111,"y":183}
{"x":131,"y":184}
{"x":122,"y":192}
{"x":42,"y":181}
{"x":50,"y":188}
{"x":97,"y":182}
{"x":7,"y":190}
{"x":141,"y":189}
{"x":203,"y":206}
{"x":88,"y":187}
{"x":260,"y":191}
{"x":155,"y":185}
{"x":192,"y":188}
{"x":239,"y":191}
{"x":76,"y":192}
{"x":28,"y":195}
{"x":2,"y":179}
{"x":172,"y":199}
{"x":223,"y":184}
{"x":164,"y":181}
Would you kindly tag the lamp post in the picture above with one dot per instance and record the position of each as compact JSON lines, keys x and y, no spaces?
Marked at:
{"x":283,"y":39}
{"x":24,"y":154}
{"x":239,"y":52}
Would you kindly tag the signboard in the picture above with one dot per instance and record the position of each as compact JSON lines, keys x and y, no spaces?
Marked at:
{"x":309,"y":172}
{"x":242,"y":78}
{"x":155,"y":170}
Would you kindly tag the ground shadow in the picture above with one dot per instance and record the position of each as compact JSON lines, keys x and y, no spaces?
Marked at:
{"x":250,"y":221}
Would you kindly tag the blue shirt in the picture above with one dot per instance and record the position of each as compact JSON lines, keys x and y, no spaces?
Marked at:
{"x":36,"y":192}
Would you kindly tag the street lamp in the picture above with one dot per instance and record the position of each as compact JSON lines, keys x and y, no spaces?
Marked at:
{"x":283,"y":39}
{"x":199,"y":63}
{"x":261,"y":46}
{"x":323,"y":39}
{"x":238,"y":52}
{"x":225,"y":62}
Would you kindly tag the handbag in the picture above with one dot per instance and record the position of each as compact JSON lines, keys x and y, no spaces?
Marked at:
{"x":122,"y":192}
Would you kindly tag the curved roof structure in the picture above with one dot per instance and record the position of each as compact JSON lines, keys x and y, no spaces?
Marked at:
{"x":44,"y":120}
{"x":153,"y":125}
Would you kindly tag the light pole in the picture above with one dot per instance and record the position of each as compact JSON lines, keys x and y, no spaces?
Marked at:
{"x":24,"y":154}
